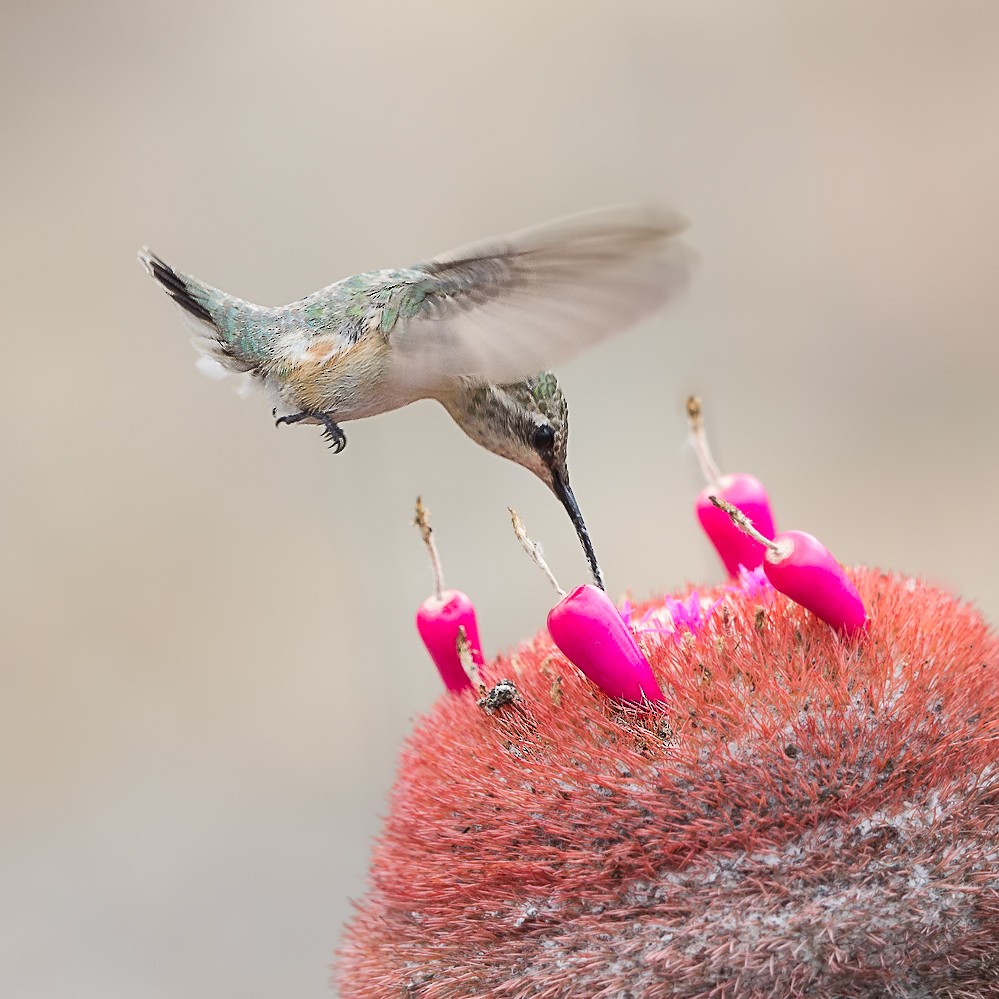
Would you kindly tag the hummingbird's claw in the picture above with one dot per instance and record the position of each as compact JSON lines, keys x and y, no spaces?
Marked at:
{"x":336,"y":437}
{"x":332,"y":433}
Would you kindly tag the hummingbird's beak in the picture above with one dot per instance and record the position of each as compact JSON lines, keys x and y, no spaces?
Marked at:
{"x":560,"y":484}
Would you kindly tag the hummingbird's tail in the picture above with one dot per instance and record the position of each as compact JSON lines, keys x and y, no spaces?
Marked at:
{"x":204,"y":308}
{"x":186,"y":292}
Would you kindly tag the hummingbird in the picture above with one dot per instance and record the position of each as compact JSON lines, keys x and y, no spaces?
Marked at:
{"x":477,"y":329}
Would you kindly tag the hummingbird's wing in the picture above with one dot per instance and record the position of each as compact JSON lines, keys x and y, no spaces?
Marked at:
{"x":505,"y":309}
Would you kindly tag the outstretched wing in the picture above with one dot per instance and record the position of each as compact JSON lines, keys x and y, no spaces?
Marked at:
{"x":505,"y":309}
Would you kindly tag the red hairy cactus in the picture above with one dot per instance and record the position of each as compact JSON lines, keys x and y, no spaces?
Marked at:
{"x":805,"y":815}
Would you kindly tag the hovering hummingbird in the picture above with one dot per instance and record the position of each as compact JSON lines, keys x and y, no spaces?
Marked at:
{"x":471,"y":328}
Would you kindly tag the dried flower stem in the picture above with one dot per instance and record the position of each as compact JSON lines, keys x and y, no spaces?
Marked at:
{"x":743,"y":523}
{"x":533,"y":549}
{"x":422,"y":521}
{"x":464,"y":649}
{"x":695,"y":418}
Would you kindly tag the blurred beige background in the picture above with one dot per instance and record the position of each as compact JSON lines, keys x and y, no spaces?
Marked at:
{"x":208,"y":660}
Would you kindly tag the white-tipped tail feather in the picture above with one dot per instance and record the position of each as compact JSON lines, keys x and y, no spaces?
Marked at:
{"x":196,"y":301}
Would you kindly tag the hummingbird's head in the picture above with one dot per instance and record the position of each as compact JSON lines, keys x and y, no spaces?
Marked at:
{"x":527,"y":422}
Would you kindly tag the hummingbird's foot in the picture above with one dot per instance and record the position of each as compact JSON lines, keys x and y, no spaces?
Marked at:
{"x":336,"y":437}
{"x":332,"y":433}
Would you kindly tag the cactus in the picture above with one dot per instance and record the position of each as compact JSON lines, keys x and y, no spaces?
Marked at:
{"x":810,"y":816}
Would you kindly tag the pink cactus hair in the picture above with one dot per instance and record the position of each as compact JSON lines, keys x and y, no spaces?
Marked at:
{"x":807,"y":815}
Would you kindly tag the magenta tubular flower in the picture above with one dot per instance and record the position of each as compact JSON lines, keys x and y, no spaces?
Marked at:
{"x":592,"y":635}
{"x":802,"y":568}
{"x":444,"y":618}
{"x":746,"y":493}
{"x":439,"y":621}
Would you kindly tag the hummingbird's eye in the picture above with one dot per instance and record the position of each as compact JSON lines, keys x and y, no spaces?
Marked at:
{"x":544,"y":438}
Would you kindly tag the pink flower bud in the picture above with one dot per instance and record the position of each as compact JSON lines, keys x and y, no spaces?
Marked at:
{"x":438,"y":621}
{"x":745,"y":492}
{"x":802,"y":568}
{"x":590,"y":632}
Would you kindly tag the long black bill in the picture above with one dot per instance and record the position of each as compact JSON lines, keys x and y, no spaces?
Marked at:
{"x":564,"y":493}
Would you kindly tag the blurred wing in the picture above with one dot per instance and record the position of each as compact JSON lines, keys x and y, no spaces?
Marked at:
{"x":505,"y":309}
